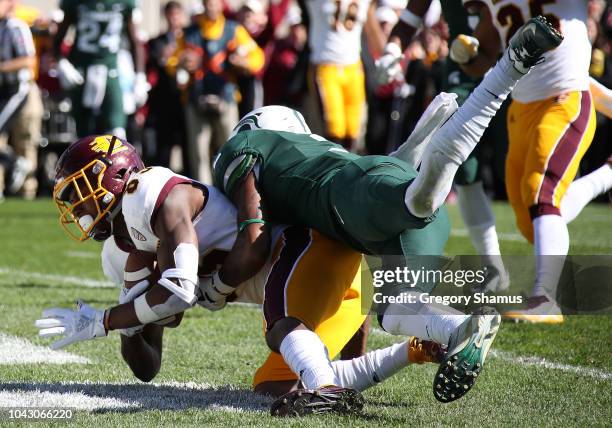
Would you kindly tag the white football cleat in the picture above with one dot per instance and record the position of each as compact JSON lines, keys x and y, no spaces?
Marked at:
{"x":468,"y":347}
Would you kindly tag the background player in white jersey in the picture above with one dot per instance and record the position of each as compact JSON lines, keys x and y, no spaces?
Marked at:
{"x":551,"y":123}
{"x":336,"y":79}
{"x":188,"y":228}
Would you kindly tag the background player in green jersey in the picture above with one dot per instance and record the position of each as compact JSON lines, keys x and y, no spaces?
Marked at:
{"x":90,"y":72}
{"x":377,"y":204}
{"x":473,"y":202}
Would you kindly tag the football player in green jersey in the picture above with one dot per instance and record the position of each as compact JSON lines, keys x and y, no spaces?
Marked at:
{"x":473,"y":202}
{"x":90,"y":73}
{"x":379,"y":204}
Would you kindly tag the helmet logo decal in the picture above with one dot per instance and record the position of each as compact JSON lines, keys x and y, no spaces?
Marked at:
{"x":249,"y":122}
{"x":102,"y":144}
{"x":137,"y":235}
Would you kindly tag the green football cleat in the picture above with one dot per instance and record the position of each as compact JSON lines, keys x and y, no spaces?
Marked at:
{"x":467,"y":350}
{"x":531,"y":41}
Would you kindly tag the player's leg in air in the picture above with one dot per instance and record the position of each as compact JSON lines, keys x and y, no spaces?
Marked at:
{"x":468,"y":337}
{"x":474,"y":204}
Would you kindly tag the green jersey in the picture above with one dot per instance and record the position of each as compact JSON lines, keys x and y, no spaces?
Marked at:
{"x":308,"y":181}
{"x":99,"y":28}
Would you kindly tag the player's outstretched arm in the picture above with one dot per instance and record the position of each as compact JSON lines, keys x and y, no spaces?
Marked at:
{"x":410,"y":22}
{"x":476,"y":54}
{"x":388,"y":65}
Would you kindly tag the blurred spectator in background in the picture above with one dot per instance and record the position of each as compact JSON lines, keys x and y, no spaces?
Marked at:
{"x":284,"y":78}
{"x":166,"y":104}
{"x":253,"y":18}
{"x":218,"y":51}
{"x":385,"y":102}
{"x":90,"y":71}
{"x":20,"y":105}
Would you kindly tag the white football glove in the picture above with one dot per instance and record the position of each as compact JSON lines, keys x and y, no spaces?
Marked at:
{"x":388,"y":67}
{"x":68,"y":76}
{"x":141,"y":89}
{"x":464,"y":48}
{"x":213,"y":292}
{"x":85,"y":323}
{"x":127,"y":295}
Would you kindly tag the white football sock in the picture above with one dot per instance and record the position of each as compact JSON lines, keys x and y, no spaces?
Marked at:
{"x":478,"y":217}
{"x":551,"y":244}
{"x":584,"y":190}
{"x":456,"y":139}
{"x":427,"y":321}
{"x":371,"y":368}
{"x":307,"y":356}
{"x":479,"y":220}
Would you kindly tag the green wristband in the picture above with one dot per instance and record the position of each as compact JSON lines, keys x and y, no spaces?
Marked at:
{"x":243,"y":224}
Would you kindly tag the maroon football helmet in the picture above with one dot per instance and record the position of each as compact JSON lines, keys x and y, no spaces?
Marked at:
{"x":89,"y":181}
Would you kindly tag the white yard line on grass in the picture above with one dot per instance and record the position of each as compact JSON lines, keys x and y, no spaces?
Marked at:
{"x":83,"y":254}
{"x":516,"y":237}
{"x":51,"y":277}
{"x":542,"y":362}
{"x":130,"y":396}
{"x":16,"y":350}
{"x":539,"y":362}
{"x":503,"y":236}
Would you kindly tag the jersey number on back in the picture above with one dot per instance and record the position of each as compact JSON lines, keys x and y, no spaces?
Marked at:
{"x":92,"y":38}
{"x":512,"y":17}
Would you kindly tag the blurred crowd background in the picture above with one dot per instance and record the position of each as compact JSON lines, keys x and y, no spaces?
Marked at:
{"x":193,"y":97}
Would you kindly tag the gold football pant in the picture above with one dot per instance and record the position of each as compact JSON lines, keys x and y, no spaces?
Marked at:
{"x":316,"y":280}
{"x":340,"y":94}
{"x":547,"y":140}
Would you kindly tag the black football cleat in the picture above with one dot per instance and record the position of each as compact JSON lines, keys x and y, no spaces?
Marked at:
{"x":531,"y":41}
{"x":328,"y":399}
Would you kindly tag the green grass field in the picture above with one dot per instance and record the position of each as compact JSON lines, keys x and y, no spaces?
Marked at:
{"x":537,"y":376}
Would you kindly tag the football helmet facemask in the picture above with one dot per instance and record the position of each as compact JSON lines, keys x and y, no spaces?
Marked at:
{"x":90,"y":178}
{"x":273,"y":118}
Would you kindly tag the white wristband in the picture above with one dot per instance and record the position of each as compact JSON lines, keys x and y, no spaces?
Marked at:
{"x":220,"y":286}
{"x":138,"y":275}
{"x":411,"y":19}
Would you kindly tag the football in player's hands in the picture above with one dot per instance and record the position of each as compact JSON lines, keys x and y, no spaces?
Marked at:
{"x":136,"y":265}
